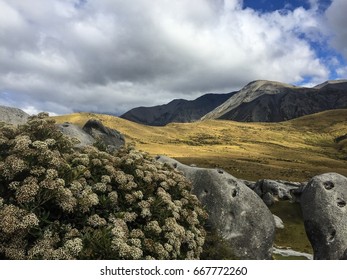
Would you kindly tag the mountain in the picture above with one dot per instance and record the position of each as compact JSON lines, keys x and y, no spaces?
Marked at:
{"x":268,"y":101}
{"x":333,"y":84}
{"x":12,"y":115}
{"x":178,"y":110}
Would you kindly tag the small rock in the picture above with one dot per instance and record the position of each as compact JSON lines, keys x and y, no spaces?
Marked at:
{"x":278,"y":222}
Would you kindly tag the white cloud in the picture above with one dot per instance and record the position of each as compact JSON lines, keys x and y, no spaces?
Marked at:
{"x":336,"y":16}
{"x":31,"y":110}
{"x":112,"y":55}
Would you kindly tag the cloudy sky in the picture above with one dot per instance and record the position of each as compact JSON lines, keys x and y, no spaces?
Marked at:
{"x":63,"y":56}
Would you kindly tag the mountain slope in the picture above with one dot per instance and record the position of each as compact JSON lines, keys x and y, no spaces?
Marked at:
{"x":266,"y":101}
{"x":336,"y":84}
{"x":178,"y":110}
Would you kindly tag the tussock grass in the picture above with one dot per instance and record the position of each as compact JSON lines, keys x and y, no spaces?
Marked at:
{"x":292,"y":150}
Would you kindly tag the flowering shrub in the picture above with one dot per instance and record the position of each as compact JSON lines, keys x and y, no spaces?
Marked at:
{"x":60,"y":202}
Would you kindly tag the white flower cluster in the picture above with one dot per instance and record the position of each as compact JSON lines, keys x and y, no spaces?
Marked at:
{"x":14,"y":219}
{"x":96,"y":221}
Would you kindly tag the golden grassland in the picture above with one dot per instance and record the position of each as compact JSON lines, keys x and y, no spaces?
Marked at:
{"x":293,"y":150}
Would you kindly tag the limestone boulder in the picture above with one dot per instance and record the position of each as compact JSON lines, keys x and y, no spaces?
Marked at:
{"x":323,"y":204}
{"x":236,"y":212}
{"x":110,"y":138}
{"x":273,"y":190}
{"x":13,"y":115}
{"x":75,"y":131}
{"x":92,"y":132}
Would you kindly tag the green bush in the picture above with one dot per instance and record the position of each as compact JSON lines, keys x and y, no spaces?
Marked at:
{"x":60,"y":202}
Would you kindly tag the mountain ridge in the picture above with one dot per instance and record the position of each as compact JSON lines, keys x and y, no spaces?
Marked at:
{"x":250,"y":92}
{"x":178,"y":110}
{"x":258,"y":101}
{"x":268,"y":101}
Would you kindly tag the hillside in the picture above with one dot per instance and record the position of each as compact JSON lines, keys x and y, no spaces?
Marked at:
{"x":178,"y":110}
{"x":267,"y":101}
{"x":292,"y":150}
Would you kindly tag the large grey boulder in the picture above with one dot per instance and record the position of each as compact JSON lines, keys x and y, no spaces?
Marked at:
{"x":92,"y":132}
{"x":13,"y":115}
{"x":110,"y":138}
{"x":75,"y":131}
{"x":324,"y":209}
{"x":235,"y":211}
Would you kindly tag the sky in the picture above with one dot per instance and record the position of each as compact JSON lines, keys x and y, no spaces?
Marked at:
{"x":108,"y":56}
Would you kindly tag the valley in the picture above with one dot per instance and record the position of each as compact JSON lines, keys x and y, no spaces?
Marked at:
{"x":294,"y":150}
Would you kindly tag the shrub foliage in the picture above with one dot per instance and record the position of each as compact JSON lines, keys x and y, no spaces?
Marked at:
{"x":60,"y":202}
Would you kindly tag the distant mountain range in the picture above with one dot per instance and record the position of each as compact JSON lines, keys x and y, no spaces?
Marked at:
{"x":259,"y":101}
{"x":178,"y":110}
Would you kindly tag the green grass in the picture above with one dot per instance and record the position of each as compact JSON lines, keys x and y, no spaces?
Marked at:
{"x":293,"y":234}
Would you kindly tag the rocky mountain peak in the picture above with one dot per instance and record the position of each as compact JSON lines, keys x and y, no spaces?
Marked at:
{"x":250,"y":92}
{"x":268,"y":101}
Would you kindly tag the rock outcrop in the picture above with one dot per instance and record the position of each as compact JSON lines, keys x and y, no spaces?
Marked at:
{"x":13,"y":115}
{"x":110,"y":138}
{"x":235,"y":211}
{"x":93,"y":131}
{"x":75,"y":131}
{"x":274,"y":190}
{"x":323,"y":203}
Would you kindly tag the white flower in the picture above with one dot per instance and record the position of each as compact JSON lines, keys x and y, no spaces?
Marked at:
{"x":113,"y":197}
{"x":101,"y":187}
{"x":153,"y":226}
{"x":40,"y":145}
{"x":96,"y":221}
{"x":105,"y":179}
{"x":29,"y":221}
{"x":74,"y":246}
